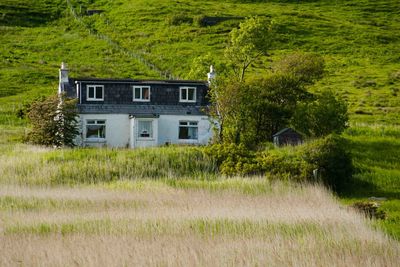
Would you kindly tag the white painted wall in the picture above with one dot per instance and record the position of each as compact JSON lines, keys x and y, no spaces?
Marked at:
{"x":120,"y":130}
{"x":117,"y":130}
{"x":168,"y":126}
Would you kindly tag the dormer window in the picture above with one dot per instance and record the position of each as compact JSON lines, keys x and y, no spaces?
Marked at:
{"x":95,"y":92}
{"x":141,"y":93}
{"x":187,"y":94}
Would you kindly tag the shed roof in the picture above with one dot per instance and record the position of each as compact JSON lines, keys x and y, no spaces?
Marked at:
{"x":284,"y":130}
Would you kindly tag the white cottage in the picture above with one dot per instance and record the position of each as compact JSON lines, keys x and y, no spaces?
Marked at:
{"x":139,"y":113}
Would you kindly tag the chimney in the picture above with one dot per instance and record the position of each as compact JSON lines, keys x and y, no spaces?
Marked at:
{"x":63,"y":78}
{"x":211,"y":75}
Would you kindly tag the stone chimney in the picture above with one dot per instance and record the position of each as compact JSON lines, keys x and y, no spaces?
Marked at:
{"x":211,"y":75}
{"x":63,"y":78}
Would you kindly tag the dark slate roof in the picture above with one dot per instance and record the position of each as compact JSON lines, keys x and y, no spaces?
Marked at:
{"x":136,"y":81}
{"x":140,"y":110}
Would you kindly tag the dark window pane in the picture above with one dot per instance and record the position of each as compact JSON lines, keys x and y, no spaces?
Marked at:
{"x":137,"y":92}
{"x":191,"y":94}
{"x":91,"y":92}
{"x":99,"y":92}
{"x":183,"y":133}
{"x":183,"y":94}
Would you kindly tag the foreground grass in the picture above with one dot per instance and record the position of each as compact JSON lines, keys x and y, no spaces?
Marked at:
{"x":22,"y":164}
{"x":148,"y":222}
{"x":375,"y":150}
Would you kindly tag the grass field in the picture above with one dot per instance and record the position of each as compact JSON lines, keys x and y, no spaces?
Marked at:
{"x":375,"y":152}
{"x":149,"y":222}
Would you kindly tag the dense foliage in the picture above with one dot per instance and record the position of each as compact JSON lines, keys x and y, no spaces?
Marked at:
{"x":326,"y":114}
{"x":53,"y":121}
{"x":249,"y":112}
{"x":325,"y":160}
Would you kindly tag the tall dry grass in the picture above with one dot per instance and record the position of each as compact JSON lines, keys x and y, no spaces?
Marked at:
{"x":33,"y":165}
{"x":151,"y":223}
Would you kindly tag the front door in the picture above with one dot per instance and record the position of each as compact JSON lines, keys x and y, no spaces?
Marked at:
{"x":144,"y":132}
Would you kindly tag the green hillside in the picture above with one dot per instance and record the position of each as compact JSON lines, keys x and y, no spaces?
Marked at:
{"x":359,"y":40}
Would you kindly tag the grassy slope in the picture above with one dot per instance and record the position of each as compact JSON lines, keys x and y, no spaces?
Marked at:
{"x":376,"y":156}
{"x":30,"y":55}
{"x":360,"y":41}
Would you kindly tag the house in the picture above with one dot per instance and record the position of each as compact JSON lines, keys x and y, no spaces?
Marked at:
{"x":287,"y":136}
{"x":139,"y":113}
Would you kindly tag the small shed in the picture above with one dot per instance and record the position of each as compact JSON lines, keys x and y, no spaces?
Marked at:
{"x":287,"y":136}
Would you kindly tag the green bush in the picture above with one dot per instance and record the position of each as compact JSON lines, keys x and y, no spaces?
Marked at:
{"x":284,"y":163}
{"x":324,"y":160}
{"x":233,"y":159}
{"x":331,"y":158}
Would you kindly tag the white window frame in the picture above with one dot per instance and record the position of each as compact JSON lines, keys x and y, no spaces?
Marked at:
{"x":140,"y":99}
{"x":96,"y":122}
{"x":151,"y":137}
{"x":95,"y":87}
{"x":188,"y":125}
{"x":187,"y":100}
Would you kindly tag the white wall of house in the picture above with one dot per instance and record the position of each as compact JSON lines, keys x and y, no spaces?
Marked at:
{"x":168,"y":126}
{"x":121,"y":130}
{"x":117,"y":130}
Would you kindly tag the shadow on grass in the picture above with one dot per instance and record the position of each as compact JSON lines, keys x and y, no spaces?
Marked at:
{"x":359,"y":188}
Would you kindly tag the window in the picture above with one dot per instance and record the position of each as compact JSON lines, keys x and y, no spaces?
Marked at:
{"x":187,"y":94}
{"x":96,"y":129}
{"x":141,"y":93}
{"x":95,"y":92}
{"x":145,"y":129}
{"x":188,"y":130}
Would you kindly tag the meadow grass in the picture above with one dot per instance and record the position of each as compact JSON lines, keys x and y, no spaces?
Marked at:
{"x":95,"y":225}
{"x":88,"y":166}
{"x":375,"y":150}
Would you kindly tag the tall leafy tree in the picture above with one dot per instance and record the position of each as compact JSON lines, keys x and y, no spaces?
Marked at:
{"x":249,"y":42}
{"x":54,"y":121}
